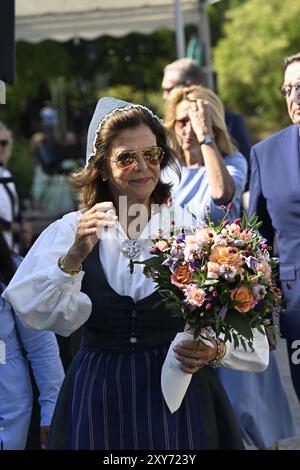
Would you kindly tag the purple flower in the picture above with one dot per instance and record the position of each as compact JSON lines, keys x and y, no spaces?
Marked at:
{"x":169,"y":262}
{"x":259,"y":306}
{"x":195,"y":265}
{"x":251,"y":262}
{"x":181,"y":238}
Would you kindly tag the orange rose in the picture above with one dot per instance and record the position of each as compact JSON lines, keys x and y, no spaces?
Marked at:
{"x":244,"y":295}
{"x":182,"y":275}
{"x":226,"y":255}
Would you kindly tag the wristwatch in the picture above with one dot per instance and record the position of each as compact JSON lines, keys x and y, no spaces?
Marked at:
{"x":208,"y":139}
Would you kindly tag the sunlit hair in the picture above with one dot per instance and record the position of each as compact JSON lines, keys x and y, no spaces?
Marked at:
{"x":290,"y":60}
{"x":88,"y":182}
{"x":7,"y":132}
{"x":192,"y":93}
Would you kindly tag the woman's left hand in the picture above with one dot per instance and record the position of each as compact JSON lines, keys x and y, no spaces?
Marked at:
{"x":193,"y":355}
{"x":200,"y":116}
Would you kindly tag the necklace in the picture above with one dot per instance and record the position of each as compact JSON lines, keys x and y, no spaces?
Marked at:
{"x":131,"y":249}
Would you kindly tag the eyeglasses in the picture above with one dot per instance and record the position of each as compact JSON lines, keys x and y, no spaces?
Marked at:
{"x":286,"y":90}
{"x":151,"y":155}
{"x":4,"y":143}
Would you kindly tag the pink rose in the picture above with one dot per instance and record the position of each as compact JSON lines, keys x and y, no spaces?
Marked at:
{"x":195,"y":296}
{"x":206,"y":235}
{"x":162,"y":245}
{"x":265,"y":269}
{"x":213,"y":270}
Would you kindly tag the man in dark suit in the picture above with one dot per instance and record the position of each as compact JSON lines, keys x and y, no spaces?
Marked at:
{"x":275,"y":183}
{"x":186,"y":72}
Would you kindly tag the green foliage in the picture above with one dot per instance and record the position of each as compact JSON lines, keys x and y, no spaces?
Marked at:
{"x":36,"y":65}
{"x":21,"y":166}
{"x":248,"y":59}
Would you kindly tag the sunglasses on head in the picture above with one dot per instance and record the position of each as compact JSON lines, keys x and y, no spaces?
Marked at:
{"x":4,"y":143}
{"x":151,"y":155}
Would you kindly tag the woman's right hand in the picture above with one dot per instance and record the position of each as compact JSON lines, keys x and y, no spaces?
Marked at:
{"x":90,"y":226}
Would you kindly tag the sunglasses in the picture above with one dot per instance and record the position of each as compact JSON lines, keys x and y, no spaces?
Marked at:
{"x":151,"y":155}
{"x":4,"y":143}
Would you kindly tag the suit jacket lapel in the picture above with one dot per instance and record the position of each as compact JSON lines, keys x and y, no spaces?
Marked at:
{"x":289,"y":150}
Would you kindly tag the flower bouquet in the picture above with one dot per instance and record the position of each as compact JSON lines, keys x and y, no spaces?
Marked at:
{"x":218,"y":278}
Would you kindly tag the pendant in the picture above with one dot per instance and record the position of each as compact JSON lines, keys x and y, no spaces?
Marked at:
{"x":131,"y":249}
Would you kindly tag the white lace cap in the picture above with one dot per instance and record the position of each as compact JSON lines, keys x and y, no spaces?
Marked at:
{"x":105,"y":108}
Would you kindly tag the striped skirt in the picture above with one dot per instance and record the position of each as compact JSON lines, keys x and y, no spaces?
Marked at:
{"x":112,"y":400}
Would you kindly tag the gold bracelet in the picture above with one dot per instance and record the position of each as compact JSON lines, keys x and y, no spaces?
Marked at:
{"x":62,"y":267}
{"x":221,"y":351}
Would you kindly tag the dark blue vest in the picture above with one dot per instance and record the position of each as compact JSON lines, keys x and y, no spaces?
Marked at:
{"x":118,"y":322}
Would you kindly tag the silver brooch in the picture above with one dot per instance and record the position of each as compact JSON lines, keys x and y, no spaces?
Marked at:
{"x":131,"y":248}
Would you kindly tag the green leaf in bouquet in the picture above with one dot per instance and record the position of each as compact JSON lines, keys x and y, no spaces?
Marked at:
{"x":154,"y":262}
{"x":227,"y":336}
{"x":260,"y":329}
{"x":239,"y":323}
{"x":235,"y":340}
{"x":243,"y":343}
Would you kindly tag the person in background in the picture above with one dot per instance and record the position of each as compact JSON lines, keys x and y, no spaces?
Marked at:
{"x":186,"y":72}
{"x":275,"y":186}
{"x":16,"y":230}
{"x":50,"y":192}
{"x":81,"y":271}
{"x":214,"y":173}
{"x":49,"y":119}
{"x":20,"y":346}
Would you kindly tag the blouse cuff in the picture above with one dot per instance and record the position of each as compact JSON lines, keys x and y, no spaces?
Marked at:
{"x":61,"y":279}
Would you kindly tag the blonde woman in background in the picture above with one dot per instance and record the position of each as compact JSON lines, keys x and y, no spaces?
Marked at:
{"x":213,"y":171}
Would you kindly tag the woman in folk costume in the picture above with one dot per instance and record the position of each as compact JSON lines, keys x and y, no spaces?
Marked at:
{"x":80,"y":272}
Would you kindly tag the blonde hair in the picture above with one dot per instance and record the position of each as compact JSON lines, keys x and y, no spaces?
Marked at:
{"x":88,"y":182}
{"x":192,"y":93}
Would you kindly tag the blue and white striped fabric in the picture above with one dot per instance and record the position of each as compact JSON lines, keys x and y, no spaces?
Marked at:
{"x":117,"y":404}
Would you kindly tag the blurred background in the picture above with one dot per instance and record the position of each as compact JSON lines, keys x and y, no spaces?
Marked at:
{"x":69,"y":54}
